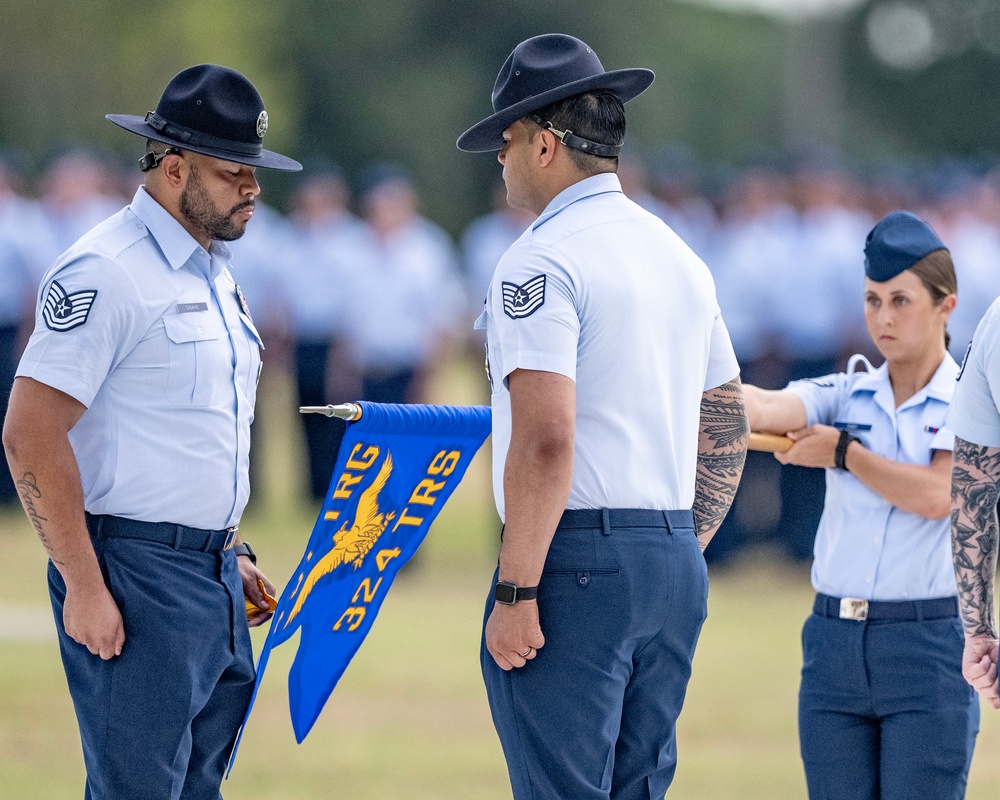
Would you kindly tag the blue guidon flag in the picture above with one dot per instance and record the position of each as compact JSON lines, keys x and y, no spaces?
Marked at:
{"x":396,"y":468}
{"x":63,"y":311}
{"x":524,"y":300}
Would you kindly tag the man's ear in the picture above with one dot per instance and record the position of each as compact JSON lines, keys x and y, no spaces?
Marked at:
{"x":174,"y":169}
{"x":547,"y":150}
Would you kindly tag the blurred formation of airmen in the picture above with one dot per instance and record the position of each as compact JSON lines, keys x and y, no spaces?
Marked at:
{"x":409,"y":290}
{"x":328,"y":245}
{"x":369,"y":304}
{"x":357,"y":294}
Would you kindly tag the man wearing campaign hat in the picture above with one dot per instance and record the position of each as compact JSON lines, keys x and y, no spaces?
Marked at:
{"x":883,"y":709}
{"x":619,"y":435}
{"x":128,"y":437}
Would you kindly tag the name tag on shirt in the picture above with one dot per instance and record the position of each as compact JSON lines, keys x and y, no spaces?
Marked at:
{"x":184,"y":308}
{"x":858,"y":427}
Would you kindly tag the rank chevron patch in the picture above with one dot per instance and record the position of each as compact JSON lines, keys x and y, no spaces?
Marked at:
{"x":524,"y":300}
{"x":63,"y":311}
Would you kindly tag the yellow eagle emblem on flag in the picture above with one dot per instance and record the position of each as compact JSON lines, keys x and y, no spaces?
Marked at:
{"x":353,"y":541}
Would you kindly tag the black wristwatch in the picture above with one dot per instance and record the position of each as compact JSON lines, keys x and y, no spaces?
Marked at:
{"x":508,"y":593}
{"x":243,"y":549}
{"x":840,"y":453}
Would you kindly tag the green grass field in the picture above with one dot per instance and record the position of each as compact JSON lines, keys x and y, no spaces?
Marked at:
{"x":409,"y":719}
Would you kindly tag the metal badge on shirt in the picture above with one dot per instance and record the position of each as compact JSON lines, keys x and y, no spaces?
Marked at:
{"x":63,"y":311}
{"x":247,"y":317}
{"x":244,"y":307}
{"x":524,"y":300}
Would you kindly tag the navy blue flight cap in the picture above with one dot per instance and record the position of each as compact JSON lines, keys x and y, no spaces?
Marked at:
{"x":541,"y":71}
{"x":214,"y":111}
{"x":897,"y":242}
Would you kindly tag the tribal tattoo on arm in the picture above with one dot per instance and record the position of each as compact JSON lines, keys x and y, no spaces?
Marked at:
{"x":975,"y":478}
{"x":722,"y":450}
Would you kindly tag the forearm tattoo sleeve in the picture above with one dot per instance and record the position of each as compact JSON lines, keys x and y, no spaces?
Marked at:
{"x":722,"y":450}
{"x":975,"y":476}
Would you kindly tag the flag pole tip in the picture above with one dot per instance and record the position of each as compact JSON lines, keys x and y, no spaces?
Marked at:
{"x":349,"y":411}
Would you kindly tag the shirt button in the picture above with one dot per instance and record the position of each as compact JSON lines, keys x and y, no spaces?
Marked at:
{"x":868,"y":578}
{"x":583,"y":580}
{"x":200,"y":330}
{"x":875,"y":539}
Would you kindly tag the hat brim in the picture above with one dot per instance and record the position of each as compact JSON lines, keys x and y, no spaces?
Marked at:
{"x":265,"y":160}
{"x":487,"y":135}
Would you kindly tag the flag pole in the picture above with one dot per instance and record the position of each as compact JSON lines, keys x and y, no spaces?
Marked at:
{"x":349,"y":411}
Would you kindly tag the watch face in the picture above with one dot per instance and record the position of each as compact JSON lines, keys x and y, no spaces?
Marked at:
{"x":505,"y":593}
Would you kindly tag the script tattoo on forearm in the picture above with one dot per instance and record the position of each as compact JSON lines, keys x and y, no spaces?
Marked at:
{"x":975,"y":476}
{"x":29,"y":492}
{"x":722,"y":450}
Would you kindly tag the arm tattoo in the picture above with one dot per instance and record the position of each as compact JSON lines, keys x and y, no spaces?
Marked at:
{"x":975,"y":477}
{"x":28,"y":489}
{"x":722,"y":449}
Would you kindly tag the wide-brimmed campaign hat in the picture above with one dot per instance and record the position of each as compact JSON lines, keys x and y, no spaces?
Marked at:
{"x":214,"y":111}
{"x":543,"y":70}
{"x":897,"y":242}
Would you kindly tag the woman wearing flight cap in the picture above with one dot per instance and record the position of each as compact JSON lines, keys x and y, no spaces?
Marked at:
{"x":883,"y":709}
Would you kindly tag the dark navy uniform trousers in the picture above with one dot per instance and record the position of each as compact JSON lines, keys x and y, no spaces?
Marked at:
{"x":884,"y":712}
{"x":621,"y":602}
{"x":158,"y":722}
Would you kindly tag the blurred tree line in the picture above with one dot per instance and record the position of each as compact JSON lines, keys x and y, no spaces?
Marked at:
{"x":364,"y":81}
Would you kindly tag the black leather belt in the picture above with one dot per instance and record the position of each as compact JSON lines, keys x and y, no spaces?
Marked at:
{"x":180,"y":537}
{"x":626,"y":518}
{"x":896,"y":610}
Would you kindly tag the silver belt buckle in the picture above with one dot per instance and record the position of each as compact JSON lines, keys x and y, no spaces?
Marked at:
{"x":230,"y":537}
{"x":853,"y":608}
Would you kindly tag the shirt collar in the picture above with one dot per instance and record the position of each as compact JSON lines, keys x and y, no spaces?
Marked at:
{"x":940,"y":387}
{"x":942,"y":384}
{"x":588,"y":187}
{"x":177,"y":245}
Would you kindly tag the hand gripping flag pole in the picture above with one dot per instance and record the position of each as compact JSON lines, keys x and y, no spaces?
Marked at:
{"x":396,"y":467}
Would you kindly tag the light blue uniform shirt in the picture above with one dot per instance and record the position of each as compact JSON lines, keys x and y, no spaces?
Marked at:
{"x":166,"y":362}
{"x":974,"y":415}
{"x":604,"y":293}
{"x":865,"y":546}
{"x":401,"y":295}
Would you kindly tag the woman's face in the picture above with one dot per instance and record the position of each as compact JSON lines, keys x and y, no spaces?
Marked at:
{"x":903,"y":321}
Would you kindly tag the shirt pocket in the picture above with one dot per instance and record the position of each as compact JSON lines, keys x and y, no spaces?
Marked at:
{"x":200,"y":371}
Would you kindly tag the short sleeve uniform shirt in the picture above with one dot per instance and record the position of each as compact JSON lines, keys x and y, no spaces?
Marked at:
{"x":865,"y":546}
{"x":148,"y":331}
{"x":604,"y":293}
{"x":974,"y":414}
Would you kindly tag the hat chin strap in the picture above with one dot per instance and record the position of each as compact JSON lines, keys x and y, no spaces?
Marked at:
{"x":570,"y":139}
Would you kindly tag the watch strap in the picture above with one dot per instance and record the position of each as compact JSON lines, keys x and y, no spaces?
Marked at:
{"x":840,"y":454}
{"x":525,"y":593}
{"x":508,"y":593}
{"x":244,"y":549}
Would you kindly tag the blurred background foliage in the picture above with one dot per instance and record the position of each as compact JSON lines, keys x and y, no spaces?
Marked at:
{"x":362,"y":81}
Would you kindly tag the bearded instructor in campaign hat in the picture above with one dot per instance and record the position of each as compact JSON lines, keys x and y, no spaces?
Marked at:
{"x":128,"y":438}
{"x":619,"y":434}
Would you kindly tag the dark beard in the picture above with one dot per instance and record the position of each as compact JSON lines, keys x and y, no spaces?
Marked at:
{"x":198,"y":209}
